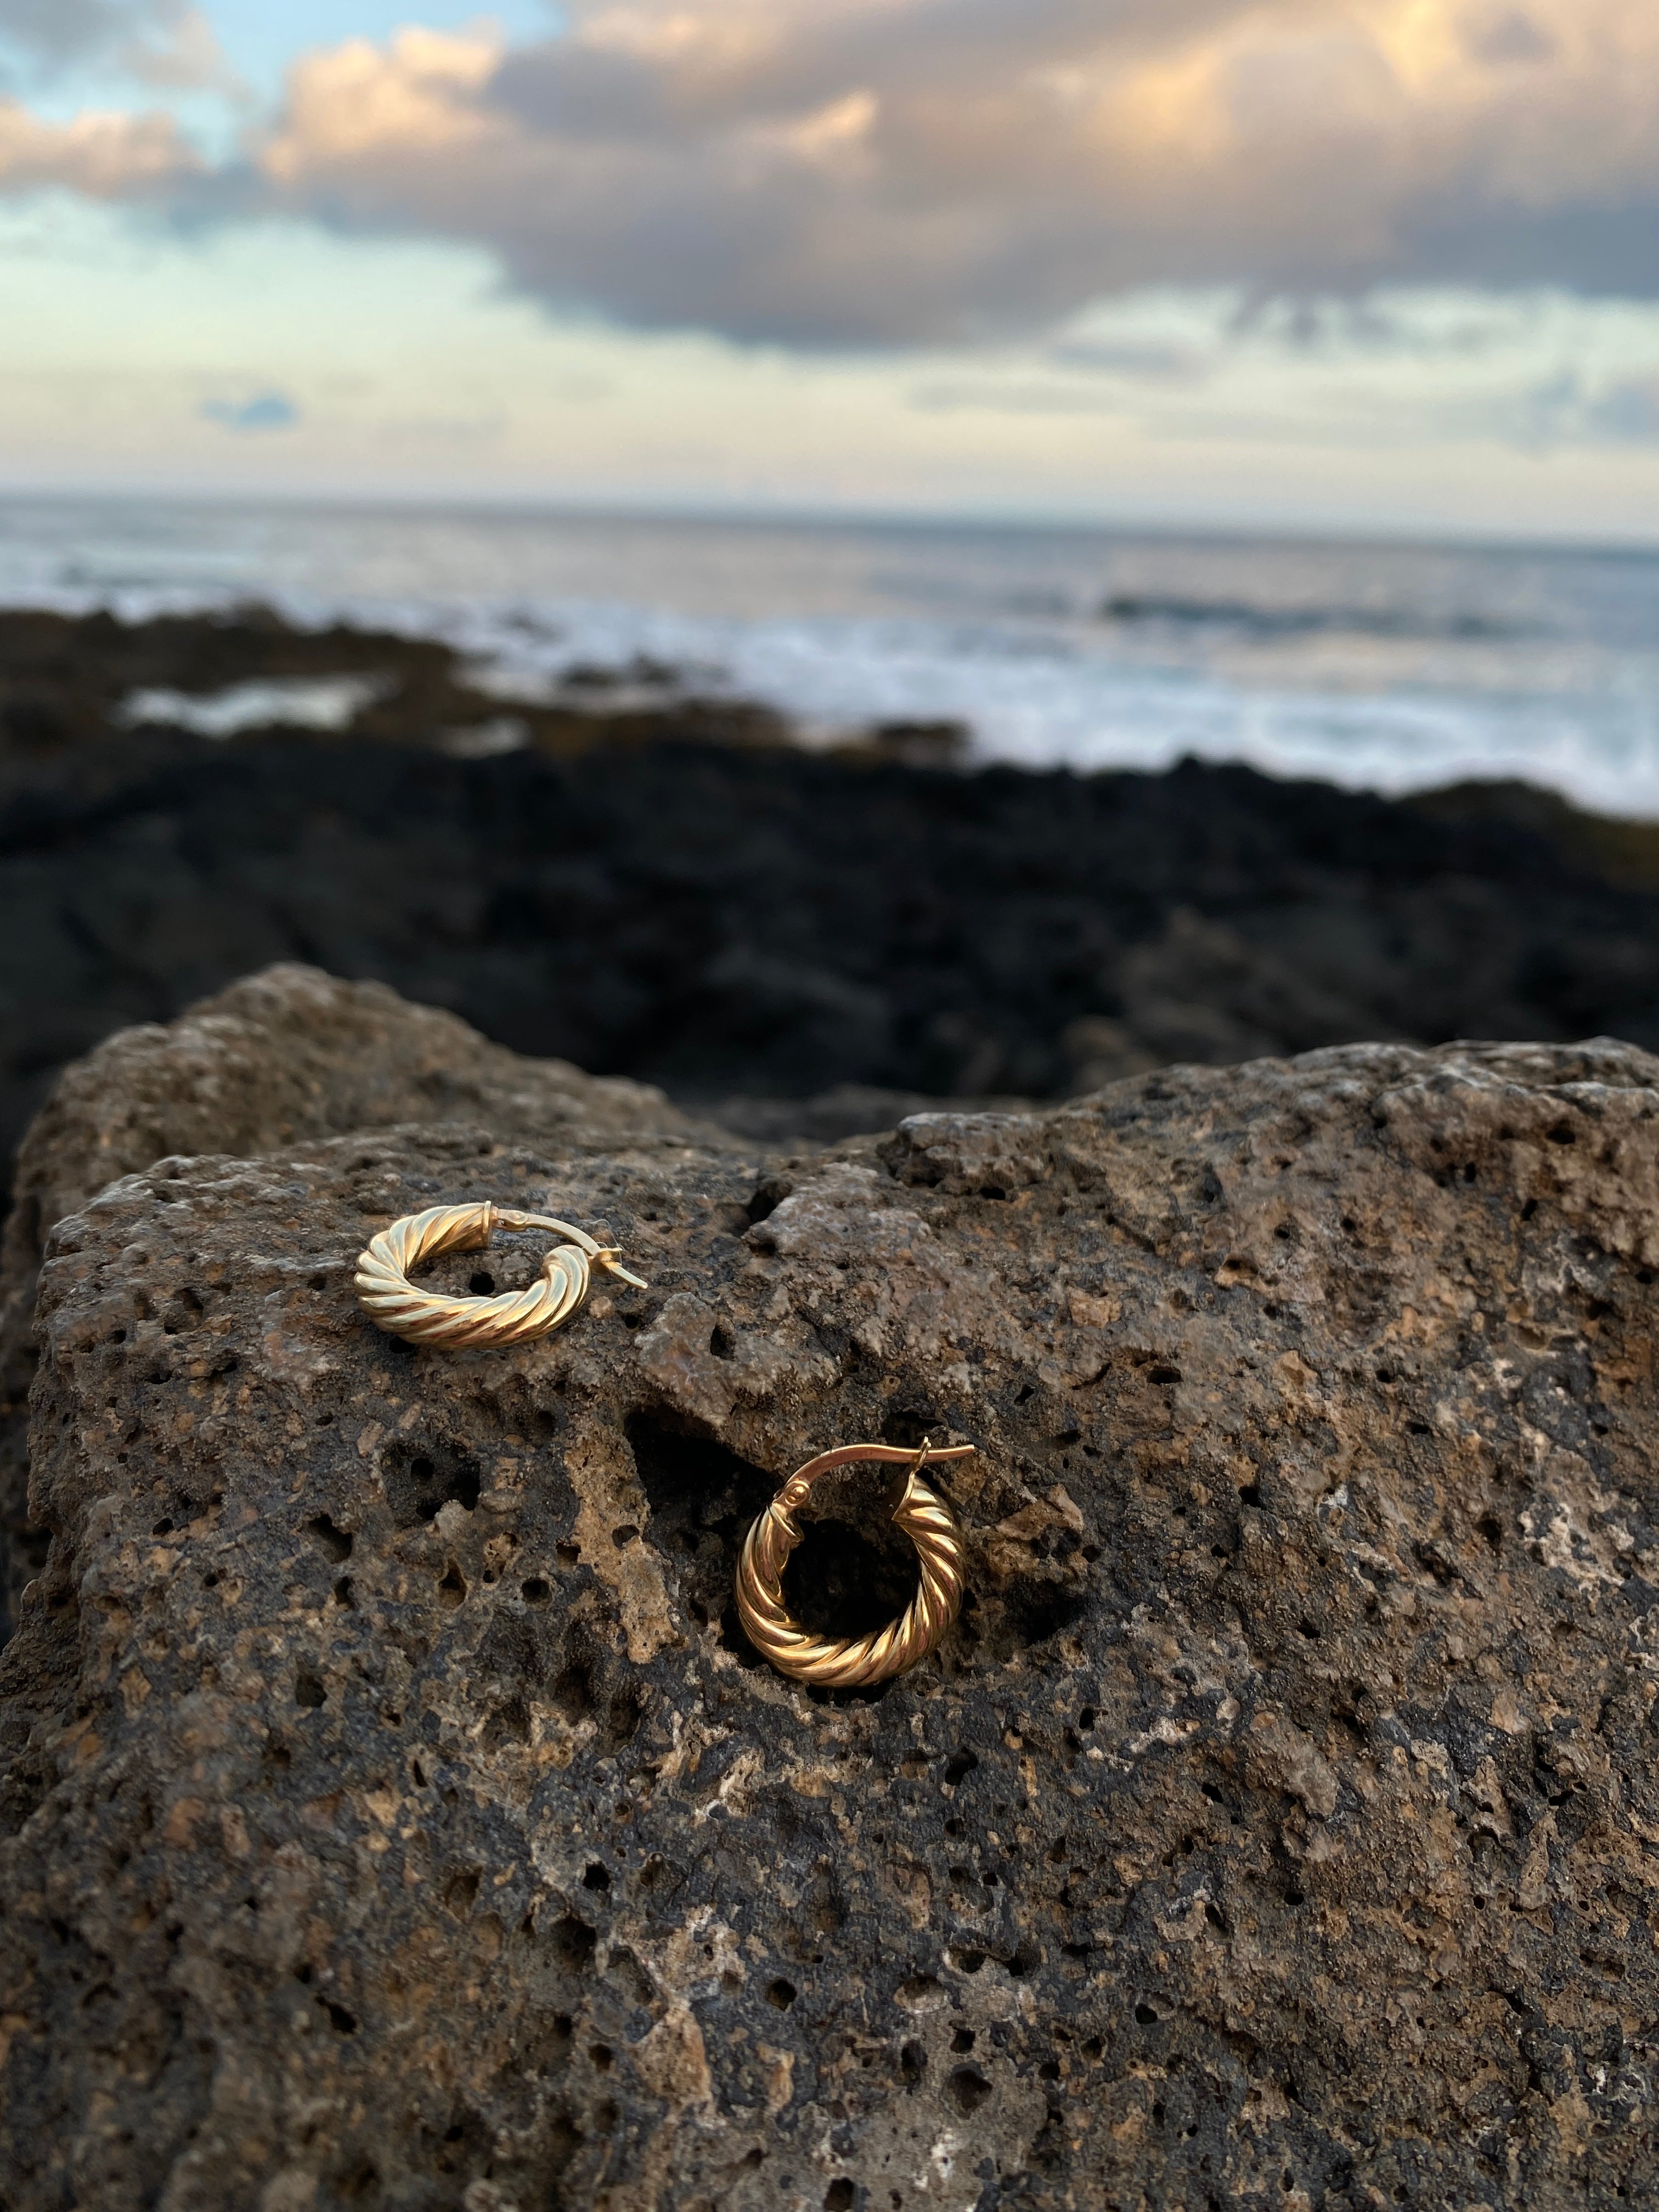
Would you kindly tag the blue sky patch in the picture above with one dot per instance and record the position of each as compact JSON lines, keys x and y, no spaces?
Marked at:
{"x":266,"y":410}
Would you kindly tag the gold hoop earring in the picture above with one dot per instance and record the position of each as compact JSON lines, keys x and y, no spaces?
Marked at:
{"x":855,"y":1663}
{"x":392,"y":1302}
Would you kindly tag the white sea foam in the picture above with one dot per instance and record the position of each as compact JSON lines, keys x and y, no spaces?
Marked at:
{"x":1390,"y":668}
{"x":304,"y":703}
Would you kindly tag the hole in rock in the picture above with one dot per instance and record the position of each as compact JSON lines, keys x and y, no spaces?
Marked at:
{"x":461,"y":1889}
{"x":508,"y":1724}
{"x":959,"y":1766}
{"x":962,"y":2040}
{"x":452,"y":1589}
{"x":702,"y":1498}
{"x":571,"y":1943}
{"x":913,"y":2065}
{"x":659,"y":1879}
{"x":967,"y":2089}
{"x":333,"y":1542}
{"x":421,"y":1479}
{"x":780,"y":1993}
{"x":536,"y":1591}
{"x":482,"y":1284}
{"x":308,"y":1690}
{"x":849,"y":1577}
{"x":767,"y":1199}
{"x":1033,"y":1609}
{"x":573,"y":1689}
{"x":908,"y":1425}
{"x":840,"y":2195}
{"x":597,"y":1877}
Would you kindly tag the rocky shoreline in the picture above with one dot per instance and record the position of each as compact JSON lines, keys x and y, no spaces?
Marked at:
{"x":663,"y":887}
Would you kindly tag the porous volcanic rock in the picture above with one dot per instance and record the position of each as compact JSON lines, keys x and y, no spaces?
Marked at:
{"x":290,"y":1053}
{"x":404,"y":1823}
{"x":286,"y":1054}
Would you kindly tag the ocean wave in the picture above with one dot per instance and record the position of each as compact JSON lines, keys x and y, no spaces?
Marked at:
{"x":1257,"y":620}
{"x":1392,"y":669}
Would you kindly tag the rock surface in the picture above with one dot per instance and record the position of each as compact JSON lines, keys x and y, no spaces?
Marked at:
{"x":398,"y":1819}
{"x":289,"y":1053}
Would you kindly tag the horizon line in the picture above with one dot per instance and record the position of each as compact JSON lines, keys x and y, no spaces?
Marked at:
{"x":805,"y":514}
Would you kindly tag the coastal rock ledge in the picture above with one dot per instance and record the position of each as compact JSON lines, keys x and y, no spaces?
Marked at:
{"x":396,"y":1818}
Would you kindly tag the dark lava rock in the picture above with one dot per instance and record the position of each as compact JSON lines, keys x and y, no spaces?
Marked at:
{"x":396,"y":1818}
{"x":675,"y":894}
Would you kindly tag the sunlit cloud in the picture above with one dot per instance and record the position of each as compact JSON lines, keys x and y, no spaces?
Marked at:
{"x":904,"y":173}
{"x":926,"y":171}
{"x":104,"y":156}
{"x":1310,"y":257}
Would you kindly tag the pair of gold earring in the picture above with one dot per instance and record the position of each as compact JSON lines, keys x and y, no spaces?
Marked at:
{"x":393,"y":1302}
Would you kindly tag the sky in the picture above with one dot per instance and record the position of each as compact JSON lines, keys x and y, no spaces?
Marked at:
{"x":1375,"y":265}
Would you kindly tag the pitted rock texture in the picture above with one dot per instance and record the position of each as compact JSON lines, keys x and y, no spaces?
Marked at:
{"x":288,"y":1053}
{"x":403,"y":1824}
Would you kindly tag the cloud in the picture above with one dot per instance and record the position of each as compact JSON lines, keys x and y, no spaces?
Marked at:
{"x":904,"y":173}
{"x":1627,"y":411}
{"x":1569,"y":408}
{"x":879,"y":171}
{"x":176,"y":50}
{"x":57,"y":28}
{"x":166,"y":43}
{"x":106,"y":157}
{"x":264,"y":411}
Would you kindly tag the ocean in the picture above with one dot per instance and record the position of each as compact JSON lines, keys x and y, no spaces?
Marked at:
{"x":1391,"y":667}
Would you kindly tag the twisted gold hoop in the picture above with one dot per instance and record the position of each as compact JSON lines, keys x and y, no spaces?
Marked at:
{"x":393,"y":1302}
{"x":925,"y":1518}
